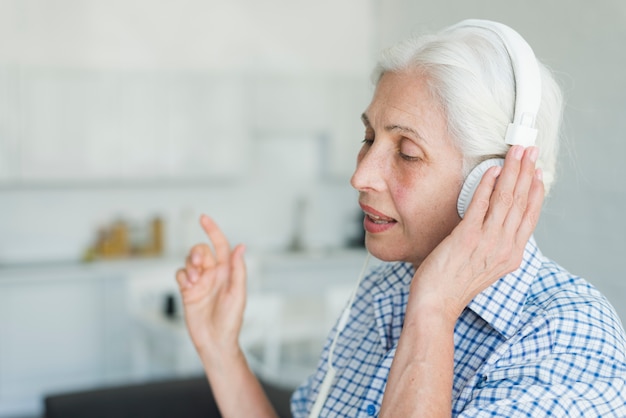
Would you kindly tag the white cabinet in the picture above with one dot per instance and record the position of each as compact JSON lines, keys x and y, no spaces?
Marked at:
{"x":76,"y":126}
{"x":207,"y":129}
{"x":81,"y":125}
{"x":89,"y":125}
{"x":59,"y":331}
{"x":8,"y":125}
{"x":326,"y":108}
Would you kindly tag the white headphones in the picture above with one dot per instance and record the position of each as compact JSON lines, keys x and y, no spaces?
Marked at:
{"x":521,"y":131}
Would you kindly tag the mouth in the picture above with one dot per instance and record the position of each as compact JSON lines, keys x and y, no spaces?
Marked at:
{"x":379,"y":220}
{"x":376,"y":221}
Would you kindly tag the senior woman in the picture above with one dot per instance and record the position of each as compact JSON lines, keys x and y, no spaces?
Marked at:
{"x":466,"y":317}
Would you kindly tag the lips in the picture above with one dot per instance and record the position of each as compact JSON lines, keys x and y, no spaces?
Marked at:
{"x":376,"y":222}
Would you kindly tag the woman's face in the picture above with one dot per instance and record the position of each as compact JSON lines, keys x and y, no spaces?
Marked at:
{"x":408,"y":171}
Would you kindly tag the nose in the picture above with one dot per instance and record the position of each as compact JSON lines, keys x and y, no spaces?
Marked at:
{"x":369,"y":172}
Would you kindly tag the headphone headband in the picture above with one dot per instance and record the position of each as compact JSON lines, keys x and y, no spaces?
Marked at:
{"x":527,"y":81}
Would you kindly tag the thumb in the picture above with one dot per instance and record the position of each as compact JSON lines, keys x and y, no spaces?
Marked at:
{"x":238,"y":269}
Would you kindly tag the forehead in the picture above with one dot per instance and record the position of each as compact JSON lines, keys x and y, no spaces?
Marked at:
{"x":405,"y":99}
{"x":403,"y":91}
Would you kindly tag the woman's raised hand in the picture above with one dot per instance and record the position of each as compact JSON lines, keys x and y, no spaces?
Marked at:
{"x":213,"y":289}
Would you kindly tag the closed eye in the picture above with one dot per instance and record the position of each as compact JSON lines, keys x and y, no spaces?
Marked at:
{"x":408,"y":157}
{"x":409,"y":150}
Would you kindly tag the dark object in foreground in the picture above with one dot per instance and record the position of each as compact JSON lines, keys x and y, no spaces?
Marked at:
{"x":183,"y":398}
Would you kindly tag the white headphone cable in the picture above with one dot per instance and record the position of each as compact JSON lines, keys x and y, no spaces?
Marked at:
{"x":331,"y":372}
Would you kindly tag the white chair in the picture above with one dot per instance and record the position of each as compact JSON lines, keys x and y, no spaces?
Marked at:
{"x":260,"y":333}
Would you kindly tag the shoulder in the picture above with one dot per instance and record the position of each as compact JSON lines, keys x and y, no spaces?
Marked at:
{"x":557,"y":294}
{"x":567,"y":357}
{"x":571,"y":316}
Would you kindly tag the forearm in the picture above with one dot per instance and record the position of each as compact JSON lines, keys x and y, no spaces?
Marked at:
{"x":420,"y":380}
{"x":237,"y":391}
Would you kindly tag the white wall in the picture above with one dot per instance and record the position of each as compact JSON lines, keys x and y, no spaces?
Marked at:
{"x":273,"y":35}
{"x":583,"y":225}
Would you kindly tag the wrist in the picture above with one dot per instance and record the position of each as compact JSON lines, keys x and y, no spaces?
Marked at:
{"x":427,"y":336}
{"x":430,"y":316}
{"x":220,"y":358}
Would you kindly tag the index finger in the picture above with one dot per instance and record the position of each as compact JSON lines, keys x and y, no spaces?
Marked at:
{"x":217,"y":238}
{"x":502,"y":198}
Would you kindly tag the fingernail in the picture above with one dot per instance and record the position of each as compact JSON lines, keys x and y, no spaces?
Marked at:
{"x":195,"y":258}
{"x":518,"y":152}
{"x":534,"y":154}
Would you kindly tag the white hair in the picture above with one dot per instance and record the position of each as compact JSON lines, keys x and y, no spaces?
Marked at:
{"x":469,"y":71}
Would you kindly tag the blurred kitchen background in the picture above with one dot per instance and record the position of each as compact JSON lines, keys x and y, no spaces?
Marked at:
{"x":121,"y":121}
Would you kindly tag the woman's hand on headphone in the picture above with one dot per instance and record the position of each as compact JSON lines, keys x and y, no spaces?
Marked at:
{"x":489,"y":241}
{"x":213,"y":289}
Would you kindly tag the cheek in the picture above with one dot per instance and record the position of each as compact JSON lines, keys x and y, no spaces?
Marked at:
{"x":425,"y":206}
{"x":409,"y":196}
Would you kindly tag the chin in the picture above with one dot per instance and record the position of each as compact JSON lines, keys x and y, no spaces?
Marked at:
{"x":386,"y":252}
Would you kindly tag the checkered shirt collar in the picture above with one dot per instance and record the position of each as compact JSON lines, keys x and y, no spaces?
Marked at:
{"x":500,"y":305}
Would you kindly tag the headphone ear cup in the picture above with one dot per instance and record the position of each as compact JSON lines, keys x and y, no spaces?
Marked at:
{"x":471,"y":183}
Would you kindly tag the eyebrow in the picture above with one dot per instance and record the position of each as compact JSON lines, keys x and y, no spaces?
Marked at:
{"x":399,"y":128}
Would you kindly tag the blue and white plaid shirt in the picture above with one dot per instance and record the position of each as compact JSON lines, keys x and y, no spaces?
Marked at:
{"x":539,"y":342}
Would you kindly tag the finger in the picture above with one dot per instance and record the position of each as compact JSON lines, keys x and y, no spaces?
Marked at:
{"x":502,"y":197}
{"x":238,"y":269}
{"x":533,"y":209}
{"x":182,"y":279}
{"x":200,"y":257}
{"x":477,"y":210}
{"x":522,"y":188}
{"x":217,"y":238}
{"x":193,"y":274}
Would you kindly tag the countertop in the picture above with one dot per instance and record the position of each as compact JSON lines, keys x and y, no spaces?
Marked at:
{"x":128,"y":266}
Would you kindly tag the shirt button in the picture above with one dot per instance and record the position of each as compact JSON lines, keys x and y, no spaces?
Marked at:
{"x":371,"y":410}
